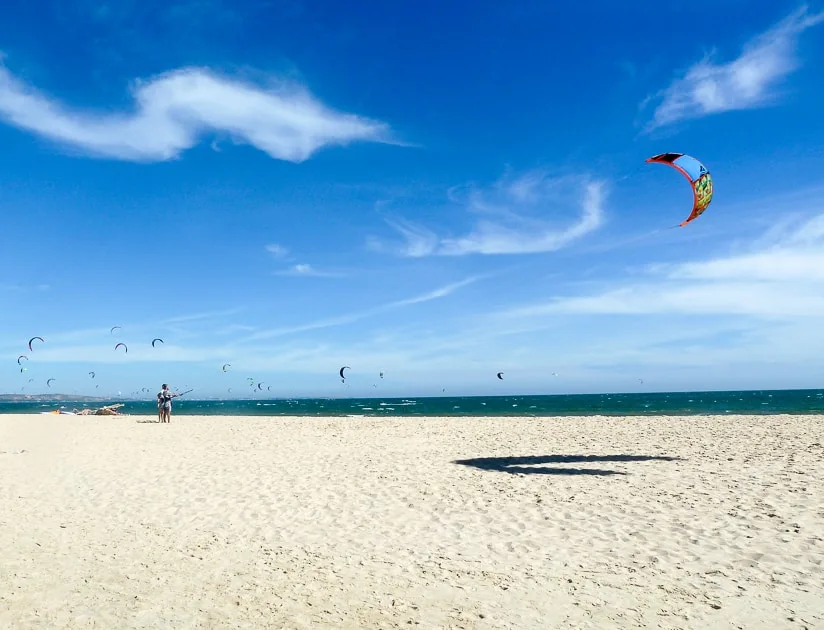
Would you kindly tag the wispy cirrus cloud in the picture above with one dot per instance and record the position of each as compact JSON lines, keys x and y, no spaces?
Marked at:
{"x":23,"y":288}
{"x":784,"y":280}
{"x":747,"y":82}
{"x":529,"y":214}
{"x":349,"y":318}
{"x":193,"y":317}
{"x":305,"y":270}
{"x":277,"y":251}
{"x":174,"y":110}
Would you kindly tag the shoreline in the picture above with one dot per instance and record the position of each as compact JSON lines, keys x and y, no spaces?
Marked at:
{"x":530,"y":522}
{"x":761,"y":403}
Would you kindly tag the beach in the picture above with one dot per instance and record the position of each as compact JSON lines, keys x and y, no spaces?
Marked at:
{"x":475,"y":523}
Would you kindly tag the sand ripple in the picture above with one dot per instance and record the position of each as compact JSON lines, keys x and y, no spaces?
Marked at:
{"x":366,"y":523}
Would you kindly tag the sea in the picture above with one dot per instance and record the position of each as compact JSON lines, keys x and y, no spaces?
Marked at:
{"x":635,"y":404}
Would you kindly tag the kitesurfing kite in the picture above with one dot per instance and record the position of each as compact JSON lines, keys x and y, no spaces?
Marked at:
{"x":226,"y":365}
{"x":342,"y":377}
{"x":22,"y":356}
{"x":501,"y":375}
{"x":92,"y":374}
{"x":32,"y":339}
{"x":124,"y":346}
{"x":23,"y":370}
{"x":698,"y":176}
{"x":156,"y":340}
{"x":49,"y":382}
{"x":381,"y":374}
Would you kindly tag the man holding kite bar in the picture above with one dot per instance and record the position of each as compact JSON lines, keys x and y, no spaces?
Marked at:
{"x":164,"y":401}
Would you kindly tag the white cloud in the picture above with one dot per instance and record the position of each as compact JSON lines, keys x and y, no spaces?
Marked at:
{"x":277,"y":251}
{"x":193,"y":317}
{"x":784,"y":264}
{"x":22,"y":288}
{"x":440,"y":292}
{"x":350,"y":318}
{"x":744,"y":83}
{"x":174,"y":110}
{"x":308,"y":271}
{"x":785,"y":280}
{"x":529,"y":214}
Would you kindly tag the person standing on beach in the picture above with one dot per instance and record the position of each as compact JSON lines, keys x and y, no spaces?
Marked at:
{"x":164,"y":399}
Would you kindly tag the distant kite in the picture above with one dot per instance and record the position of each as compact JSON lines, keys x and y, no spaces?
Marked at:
{"x":156,"y":340}
{"x":32,"y":339}
{"x":698,"y":176}
{"x":226,"y":365}
{"x":92,"y":374}
{"x":342,"y":377}
{"x":22,"y":356}
{"x":124,"y":346}
{"x":381,"y":374}
{"x":501,"y":376}
{"x":115,"y":328}
{"x":50,"y":381}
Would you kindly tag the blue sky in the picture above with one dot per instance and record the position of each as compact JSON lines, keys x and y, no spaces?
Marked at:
{"x":436,"y":192}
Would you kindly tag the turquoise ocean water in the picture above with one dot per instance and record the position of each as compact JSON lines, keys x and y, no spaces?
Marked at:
{"x":677,"y":403}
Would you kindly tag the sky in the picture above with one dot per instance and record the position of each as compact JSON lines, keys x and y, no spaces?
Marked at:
{"x":423,"y":189}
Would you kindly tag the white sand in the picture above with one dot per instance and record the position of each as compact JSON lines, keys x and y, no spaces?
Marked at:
{"x":229,"y":522}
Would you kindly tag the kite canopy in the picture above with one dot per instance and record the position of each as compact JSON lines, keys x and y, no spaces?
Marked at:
{"x":49,"y":382}
{"x":698,"y":176}
{"x":345,"y":367}
{"x":21,"y":357}
{"x":501,"y":375}
{"x":121,"y":344}
{"x":32,"y":339}
{"x":226,"y":365}
{"x":154,"y":341}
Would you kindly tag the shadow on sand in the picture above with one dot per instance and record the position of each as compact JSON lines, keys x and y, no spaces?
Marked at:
{"x":531,"y":464}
